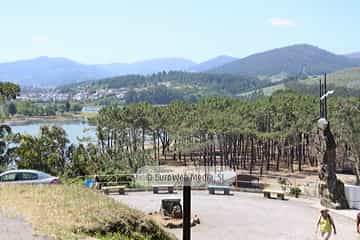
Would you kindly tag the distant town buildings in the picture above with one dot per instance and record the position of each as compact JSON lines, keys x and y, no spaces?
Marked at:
{"x":82,"y":95}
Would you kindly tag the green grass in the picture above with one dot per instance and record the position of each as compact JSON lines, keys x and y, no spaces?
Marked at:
{"x":73,"y":212}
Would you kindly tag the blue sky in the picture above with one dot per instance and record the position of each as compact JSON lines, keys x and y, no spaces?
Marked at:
{"x":104,"y":31}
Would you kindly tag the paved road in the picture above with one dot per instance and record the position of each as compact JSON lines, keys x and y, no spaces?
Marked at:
{"x":246,"y":216}
{"x":13,"y":228}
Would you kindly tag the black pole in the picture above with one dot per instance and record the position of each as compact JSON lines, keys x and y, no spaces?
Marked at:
{"x":187,"y":209}
{"x":325,"y":97}
{"x":320,"y":92}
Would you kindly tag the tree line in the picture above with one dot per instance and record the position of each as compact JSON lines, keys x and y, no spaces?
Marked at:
{"x":218,"y":83}
{"x":269,"y":134}
{"x":32,"y":108}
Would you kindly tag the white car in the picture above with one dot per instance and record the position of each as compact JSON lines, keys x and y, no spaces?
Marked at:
{"x":27,"y":177}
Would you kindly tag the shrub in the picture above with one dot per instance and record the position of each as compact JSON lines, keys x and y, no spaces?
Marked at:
{"x":282,"y":181}
{"x":296,"y":191}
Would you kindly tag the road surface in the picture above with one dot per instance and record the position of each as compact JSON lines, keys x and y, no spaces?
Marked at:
{"x":246,"y":216}
{"x":14,"y":228}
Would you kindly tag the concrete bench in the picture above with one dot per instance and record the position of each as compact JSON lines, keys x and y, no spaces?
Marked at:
{"x":279,"y":193}
{"x":247,"y":181}
{"x":119,"y":189}
{"x":213,"y":188}
{"x":168,"y":188}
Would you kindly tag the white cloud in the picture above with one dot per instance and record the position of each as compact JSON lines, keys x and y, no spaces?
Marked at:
{"x":39,"y":39}
{"x":281,"y":22}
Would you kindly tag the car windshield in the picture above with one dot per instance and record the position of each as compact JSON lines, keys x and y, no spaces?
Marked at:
{"x":44,"y":175}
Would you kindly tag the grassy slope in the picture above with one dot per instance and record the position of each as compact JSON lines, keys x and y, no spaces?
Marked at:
{"x":346,"y":78}
{"x":268,"y":91}
{"x":349,"y":78}
{"x":72,"y":212}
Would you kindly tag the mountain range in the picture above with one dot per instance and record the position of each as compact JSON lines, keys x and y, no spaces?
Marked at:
{"x":275,"y":64}
{"x":147,"y":66}
{"x":47,"y":71}
{"x":212,"y":63}
{"x":353,"y":55}
{"x":288,"y":61}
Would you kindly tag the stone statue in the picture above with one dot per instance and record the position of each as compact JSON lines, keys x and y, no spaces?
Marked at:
{"x":171,"y":214}
{"x":331,"y":189}
{"x":171,"y":208}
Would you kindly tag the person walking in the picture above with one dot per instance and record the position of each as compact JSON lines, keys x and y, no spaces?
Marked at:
{"x":97,"y":182}
{"x":326,"y":225}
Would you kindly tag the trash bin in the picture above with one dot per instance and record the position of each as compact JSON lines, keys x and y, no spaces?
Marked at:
{"x":352,"y":194}
{"x":89,"y":182}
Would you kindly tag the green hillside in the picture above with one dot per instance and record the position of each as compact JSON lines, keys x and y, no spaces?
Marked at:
{"x":266,"y":91}
{"x":347,"y":78}
{"x":202,"y":83}
{"x":345,"y":82}
{"x":164,"y":87}
{"x":301,"y":59}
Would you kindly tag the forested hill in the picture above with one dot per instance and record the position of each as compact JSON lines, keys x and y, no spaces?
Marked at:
{"x":345,"y":82}
{"x":212,"y":63}
{"x":201,"y":82}
{"x":289,"y":61}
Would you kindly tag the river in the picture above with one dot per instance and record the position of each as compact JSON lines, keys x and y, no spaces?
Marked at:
{"x":75,"y":130}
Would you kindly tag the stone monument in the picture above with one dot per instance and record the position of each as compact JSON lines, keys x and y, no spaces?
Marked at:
{"x":331,"y":189}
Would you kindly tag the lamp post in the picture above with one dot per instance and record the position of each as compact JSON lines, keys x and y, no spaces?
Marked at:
{"x":324,"y":93}
{"x":187,"y":209}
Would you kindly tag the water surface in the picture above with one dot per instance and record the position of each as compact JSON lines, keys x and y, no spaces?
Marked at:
{"x":75,"y":130}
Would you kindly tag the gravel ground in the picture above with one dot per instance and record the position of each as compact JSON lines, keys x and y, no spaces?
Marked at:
{"x":13,"y":228}
{"x":246,"y":216}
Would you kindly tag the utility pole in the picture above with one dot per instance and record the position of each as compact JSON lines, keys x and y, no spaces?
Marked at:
{"x":325,"y":102}
{"x":187,"y":209}
{"x":320,"y":101}
{"x":324,"y":94}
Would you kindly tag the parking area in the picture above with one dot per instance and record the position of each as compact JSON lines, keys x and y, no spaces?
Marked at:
{"x":246,"y":216}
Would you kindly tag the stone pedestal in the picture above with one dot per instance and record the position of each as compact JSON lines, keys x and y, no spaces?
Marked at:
{"x":331,"y":189}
